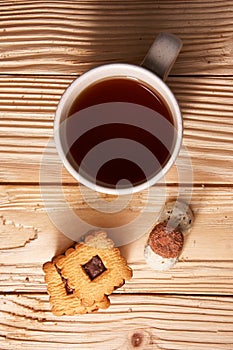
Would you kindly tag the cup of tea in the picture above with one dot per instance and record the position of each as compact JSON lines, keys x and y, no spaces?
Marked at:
{"x":118,"y":127}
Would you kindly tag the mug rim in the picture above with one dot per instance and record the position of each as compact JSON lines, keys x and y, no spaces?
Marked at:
{"x":125,"y":70}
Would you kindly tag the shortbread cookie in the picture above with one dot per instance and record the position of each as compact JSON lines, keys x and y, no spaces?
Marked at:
{"x":80,"y":279}
{"x":93,"y":272}
{"x":63,"y":299}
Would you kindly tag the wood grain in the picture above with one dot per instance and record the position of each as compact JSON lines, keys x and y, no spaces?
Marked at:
{"x":159,"y":322}
{"x":28,"y":104}
{"x":44,"y":45}
{"x":69,"y":37}
{"x":205,"y":266}
{"x":25,"y":234}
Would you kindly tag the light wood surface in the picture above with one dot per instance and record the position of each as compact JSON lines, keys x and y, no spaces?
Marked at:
{"x":206,"y":259}
{"x":44,"y":45}
{"x":28,"y":104}
{"x":157,"y":322}
{"x":69,"y":37}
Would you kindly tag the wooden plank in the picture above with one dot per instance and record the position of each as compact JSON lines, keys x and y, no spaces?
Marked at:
{"x":28,"y":104}
{"x":142,"y":322}
{"x":205,"y":266}
{"x":69,"y":37}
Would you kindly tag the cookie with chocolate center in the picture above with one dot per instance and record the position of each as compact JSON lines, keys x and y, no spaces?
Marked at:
{"x":80,"y":280}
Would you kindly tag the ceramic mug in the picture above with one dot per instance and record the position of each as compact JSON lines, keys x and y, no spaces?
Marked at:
{"x":152,"y":73}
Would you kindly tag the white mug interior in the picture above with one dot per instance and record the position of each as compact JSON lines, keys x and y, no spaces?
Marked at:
{"x":110,"y":71}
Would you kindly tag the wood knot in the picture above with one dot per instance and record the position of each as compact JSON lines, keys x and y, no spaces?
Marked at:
{"x":142,"y":339}
{"x":136,"y":339}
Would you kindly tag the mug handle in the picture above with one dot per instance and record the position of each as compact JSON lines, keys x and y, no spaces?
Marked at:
{"x":162,"y":54}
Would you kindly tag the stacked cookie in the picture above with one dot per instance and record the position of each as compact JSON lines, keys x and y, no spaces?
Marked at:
{"x":80,"y":280}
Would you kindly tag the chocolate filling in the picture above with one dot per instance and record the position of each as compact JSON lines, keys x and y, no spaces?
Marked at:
{"x":69,"y":290}
{"x":94,"y":267}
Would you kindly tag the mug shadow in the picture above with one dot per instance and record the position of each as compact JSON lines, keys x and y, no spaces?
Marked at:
{"x":124,"y":32}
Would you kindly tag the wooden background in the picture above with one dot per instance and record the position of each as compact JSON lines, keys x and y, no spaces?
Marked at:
{"x":44,"y":45}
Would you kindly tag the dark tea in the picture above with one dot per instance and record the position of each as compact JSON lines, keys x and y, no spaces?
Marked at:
{"x":119,"y":130}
